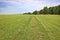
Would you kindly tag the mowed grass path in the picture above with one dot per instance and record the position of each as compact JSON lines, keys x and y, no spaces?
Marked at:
{"x":29,"y":27}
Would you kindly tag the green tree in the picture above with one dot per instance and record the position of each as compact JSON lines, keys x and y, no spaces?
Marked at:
{"x":45,"y":10}
{"x":29,"y":13}
{"x":35,"y":12}
{"x":51,"y":10}
{"x":58,"y":9}
{"x":41,"y":12}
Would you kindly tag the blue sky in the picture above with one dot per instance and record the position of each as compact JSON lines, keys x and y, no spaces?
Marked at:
{"x":21,"y":6}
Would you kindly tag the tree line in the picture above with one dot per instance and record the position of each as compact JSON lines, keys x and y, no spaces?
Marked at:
{"x":46,"y":10}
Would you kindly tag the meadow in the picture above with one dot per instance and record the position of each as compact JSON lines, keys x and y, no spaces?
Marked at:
{"x":29,"y":27}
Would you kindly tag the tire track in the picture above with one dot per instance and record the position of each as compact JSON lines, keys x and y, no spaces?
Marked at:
{"x":18,"y":31}
{"x":53,"y":33}
{"x":35,"y":34}
{"x":46,"y":29}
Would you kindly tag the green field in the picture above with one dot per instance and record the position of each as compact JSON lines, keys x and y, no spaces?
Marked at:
{"x":29,"y":27}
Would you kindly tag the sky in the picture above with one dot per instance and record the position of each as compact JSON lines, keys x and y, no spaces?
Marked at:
{"x":22,"y":6}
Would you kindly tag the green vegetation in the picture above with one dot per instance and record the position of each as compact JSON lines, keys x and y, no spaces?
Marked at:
{"x":46,"y":10}
{"x":29,"y":27}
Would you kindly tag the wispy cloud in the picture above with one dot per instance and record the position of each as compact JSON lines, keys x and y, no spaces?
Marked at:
{"x":20,"y":6}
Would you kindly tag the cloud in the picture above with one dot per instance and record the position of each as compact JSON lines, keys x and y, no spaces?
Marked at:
{"x":15,"y":6}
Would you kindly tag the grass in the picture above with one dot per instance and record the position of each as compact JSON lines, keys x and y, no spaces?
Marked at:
{"x":29,"y":27}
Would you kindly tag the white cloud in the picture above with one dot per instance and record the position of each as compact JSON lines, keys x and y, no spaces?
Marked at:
{"x":28,"y":5}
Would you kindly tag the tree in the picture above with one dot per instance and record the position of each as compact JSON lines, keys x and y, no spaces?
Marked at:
{"x":41,"y":12}
{"x":35,"y":12}
{"x":51,"y":10}
{"x":29,"y":13}
{"x":45,"y":10}
{"x":58,"y":9}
